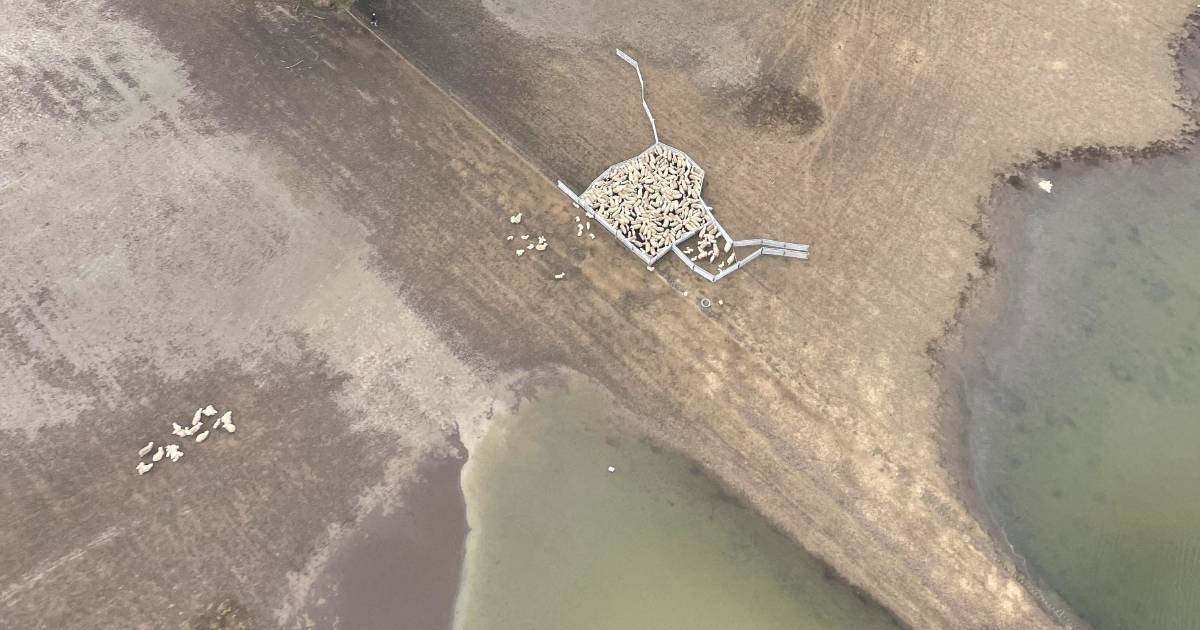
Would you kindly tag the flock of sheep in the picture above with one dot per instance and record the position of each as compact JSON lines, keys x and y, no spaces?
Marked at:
{"x":652,"y":200}
{"x":172,"y":451}
{"x":708,"y":249}
{"x":541,"y":243}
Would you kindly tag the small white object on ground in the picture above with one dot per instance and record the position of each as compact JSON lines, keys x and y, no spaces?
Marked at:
{"x":720,"y":302}
{"x":520,"y":252}
{"x":1046,"y":185}
{"x":196,"y":416}
{"x":230,"y":427}
{"x":143,"y":468}
{"x":524,"y":237}
{"x":649,"y":267}
{"x":590,"y":235}
{"x":728,"y":245}
{"x":612,"y":469}
{"x":203,"y":436}
{"x":560,"y":275}
{"x":209,"y":411}
{"x":178,"y":430}
{"x":173,"y":452}
{"x":529,"y":246}
{"x":157,"y":455}
{"x":145,"y":449}
{"x":685,"y":293}
{"x":510,"y":237}
{"x":541,"y":247}
{"x":516,"y":218}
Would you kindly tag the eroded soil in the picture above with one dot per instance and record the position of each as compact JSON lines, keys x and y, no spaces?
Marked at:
{"x":263,"y":207}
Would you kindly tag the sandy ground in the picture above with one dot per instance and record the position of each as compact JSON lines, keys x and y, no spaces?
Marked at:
{"x":248,"y":204}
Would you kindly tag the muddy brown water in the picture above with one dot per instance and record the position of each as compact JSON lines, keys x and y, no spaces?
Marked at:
{"x":399,"y":569}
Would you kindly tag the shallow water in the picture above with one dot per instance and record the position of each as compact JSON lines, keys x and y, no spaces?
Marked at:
{"x":1085,"y":415}
{"x":399,"y":568}
{"x":558,"y":543}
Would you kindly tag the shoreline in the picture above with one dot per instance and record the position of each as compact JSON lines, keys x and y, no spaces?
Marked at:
{"x":621,"y":426}
{"x":533,"y":387}
{"x":403,"y":567}
{"x":985,"y":299}
{"x":320,"y":184}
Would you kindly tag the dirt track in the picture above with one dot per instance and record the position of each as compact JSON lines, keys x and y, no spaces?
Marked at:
{"x":187,"y":219}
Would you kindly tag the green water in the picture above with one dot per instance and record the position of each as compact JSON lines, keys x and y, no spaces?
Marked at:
{"x":558,"y":543}
{"x":1085,"y":417}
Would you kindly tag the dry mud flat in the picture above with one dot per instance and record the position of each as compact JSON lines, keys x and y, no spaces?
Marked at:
{"x":265,"y":208}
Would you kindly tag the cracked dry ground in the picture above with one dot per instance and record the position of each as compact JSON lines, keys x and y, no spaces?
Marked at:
{"x":186,"y":218}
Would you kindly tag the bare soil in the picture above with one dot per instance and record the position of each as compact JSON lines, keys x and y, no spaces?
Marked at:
{"x":263,"y":207}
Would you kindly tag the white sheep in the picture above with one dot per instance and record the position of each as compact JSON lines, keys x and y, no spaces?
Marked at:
{"x":209,"y":411}
{"x":143,"y":468}
{"x":173,"y":452}
{"x":158,"y":455}
{"x":145,"y":449}
{"x":203,"y":436}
